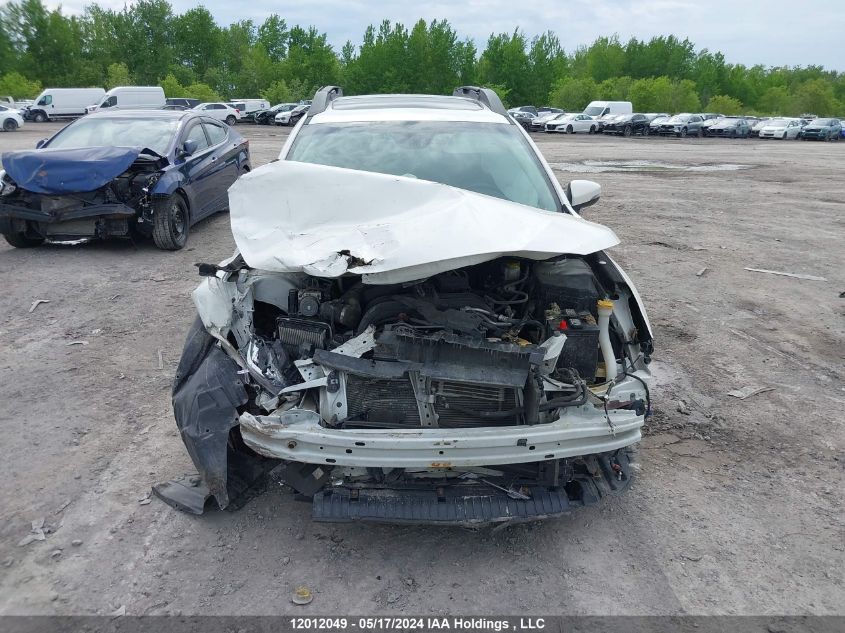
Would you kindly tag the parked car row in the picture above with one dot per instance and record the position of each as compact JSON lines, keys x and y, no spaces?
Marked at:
{"x":599,"y":117}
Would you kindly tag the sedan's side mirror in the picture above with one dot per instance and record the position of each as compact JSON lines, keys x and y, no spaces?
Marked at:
{"x":41,"y":143}
{"x":189,"y":147}
{"x":583,"y":193}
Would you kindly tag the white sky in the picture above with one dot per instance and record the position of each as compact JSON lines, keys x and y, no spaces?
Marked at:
{"x":768,"y":32}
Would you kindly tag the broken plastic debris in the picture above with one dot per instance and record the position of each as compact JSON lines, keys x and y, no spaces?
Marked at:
{"x":37,"y":303}
{"x":783,"y":274}
{"x":77,"y":343}
{"x":145,"y":499}
{"x":119,"y":612}
{"x":302,"y":595}
{"x":36,"y":533}
{"x":747,"y":392}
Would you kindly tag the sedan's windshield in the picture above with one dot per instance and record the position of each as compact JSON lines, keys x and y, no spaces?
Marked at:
{"x":154,"y":134}
{"x":680,"y":118}
{"x":777,"y":122}
{"x":487,"y":158}
{"x":823,"y":122}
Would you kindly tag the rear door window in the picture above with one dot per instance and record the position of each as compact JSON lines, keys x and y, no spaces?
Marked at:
{"x":216,"y":132}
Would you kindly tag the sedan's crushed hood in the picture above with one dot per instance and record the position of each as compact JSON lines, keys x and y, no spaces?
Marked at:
{"x":325,"y":221}
{"x":59,"y":171}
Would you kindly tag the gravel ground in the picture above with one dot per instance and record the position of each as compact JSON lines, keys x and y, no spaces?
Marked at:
{"x":738,"y":507}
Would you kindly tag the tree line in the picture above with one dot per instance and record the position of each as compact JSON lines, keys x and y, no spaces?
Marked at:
{"x":189,"y":54}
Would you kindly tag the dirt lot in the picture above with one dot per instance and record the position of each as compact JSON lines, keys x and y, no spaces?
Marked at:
{"x":738,"y":508}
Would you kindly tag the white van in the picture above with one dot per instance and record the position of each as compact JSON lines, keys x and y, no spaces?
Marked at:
{"x":55,"y":103}
{"x":245,"y":106}
{"x":598,"y":109}
{"x":131,"y":98}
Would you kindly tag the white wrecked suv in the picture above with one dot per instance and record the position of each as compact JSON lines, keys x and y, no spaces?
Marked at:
{"x":417,"y":326}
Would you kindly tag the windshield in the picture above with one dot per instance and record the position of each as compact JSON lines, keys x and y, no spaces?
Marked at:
{"x":487,"y":158}
{"x":679,"y":118}
{"x":777,"y":122}
{"x":154,"y":134}
{"x":822,"y":122}
{"x":594,"y":110}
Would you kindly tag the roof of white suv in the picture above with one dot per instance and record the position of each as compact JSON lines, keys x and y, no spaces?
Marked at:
{"x":372,"y":108}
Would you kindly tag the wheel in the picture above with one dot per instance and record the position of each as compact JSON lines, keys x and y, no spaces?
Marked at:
{"x":700,"y":133}
{"x":231,"y":120}
{"x":570,"y":130}
{"x":10,"y":125}
{"x":170,"y":222}
{"x":592,"y":129}
{"x":646,"y":130}
{"x":683,"y":133}
{"x":784,"y":136}
{"x":733,"y":134}
{"x":627,"y":131}
{"x":39,"y":117}
{"x":20,"y":240}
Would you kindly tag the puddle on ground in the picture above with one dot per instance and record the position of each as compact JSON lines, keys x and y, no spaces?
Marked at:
{"x":597,"y":166}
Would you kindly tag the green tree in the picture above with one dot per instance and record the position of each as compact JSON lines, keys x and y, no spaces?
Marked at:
{"x":172,"y":87}
{"x":775,"y":100}
{"x":816,"y":96}
{"x":273,"y":36}
{"x":277,"y":92}
{"x":118,"y":75}
{"x":505,"y":63}
{"x":198,"y":41}
{"x":203,"y":92}
{"x":724,"y":105}
{"x":573,"y":94}
{"x":17,"y":86}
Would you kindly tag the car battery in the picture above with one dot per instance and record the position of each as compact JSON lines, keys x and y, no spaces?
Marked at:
{"x":581,"y":350}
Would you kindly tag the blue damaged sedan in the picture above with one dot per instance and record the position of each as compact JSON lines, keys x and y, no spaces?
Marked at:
{"x":146,"y":173}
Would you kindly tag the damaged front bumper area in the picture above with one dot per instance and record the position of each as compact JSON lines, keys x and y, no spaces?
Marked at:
{"x":389,"y":404}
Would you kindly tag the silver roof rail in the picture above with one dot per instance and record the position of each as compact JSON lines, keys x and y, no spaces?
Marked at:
{"x":322,"y":98}
{"x":485,"y":96}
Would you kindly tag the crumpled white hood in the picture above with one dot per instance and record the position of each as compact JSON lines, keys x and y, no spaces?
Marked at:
{"x":324,"y":221}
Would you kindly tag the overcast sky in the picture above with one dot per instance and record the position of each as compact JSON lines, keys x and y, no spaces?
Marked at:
{"x":769,"y":32}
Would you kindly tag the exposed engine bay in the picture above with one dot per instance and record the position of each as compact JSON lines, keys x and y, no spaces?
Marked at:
{"x":114,"y":209}
{"x":435,"y":387}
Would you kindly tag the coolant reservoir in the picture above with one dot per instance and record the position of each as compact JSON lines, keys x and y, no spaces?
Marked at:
{"x":605,"y":309}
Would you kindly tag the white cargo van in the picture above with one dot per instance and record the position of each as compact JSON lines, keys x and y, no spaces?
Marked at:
{"x":131,"y":98}
{"x":245,"y":106}
{"x":55,"y":103}
{"x":598,"y":109}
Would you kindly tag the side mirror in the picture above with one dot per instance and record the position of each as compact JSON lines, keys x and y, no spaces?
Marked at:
{"x":189,"y":147}
{"x":41,"y":143}
{"x":583,"y":193}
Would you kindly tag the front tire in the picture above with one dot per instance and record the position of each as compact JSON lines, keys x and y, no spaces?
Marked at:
{"x":683,"y":133}
{"x":171,"y":223}
{"x":10,"y":125}
{"x":570,"y":129}
{"x":231,"y":120}
{"x":646,"y":130}
{"x":20,"y":240}
{"x":39,"y":117}
{"x":627,"y":131}
{"x":592,"y":129}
